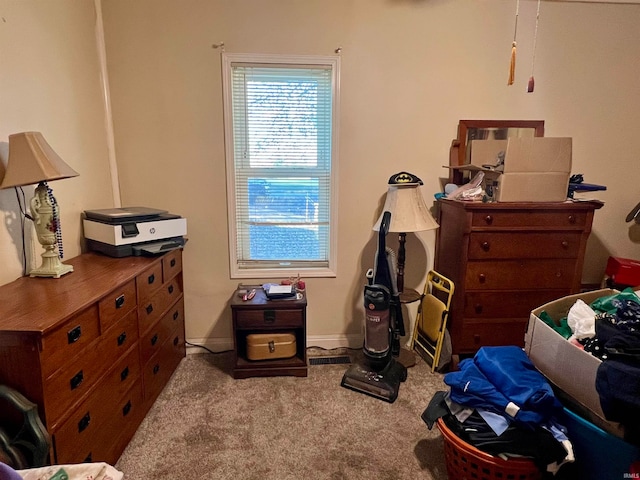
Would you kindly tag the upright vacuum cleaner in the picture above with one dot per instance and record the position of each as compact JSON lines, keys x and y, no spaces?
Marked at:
{"x":379,"y":374}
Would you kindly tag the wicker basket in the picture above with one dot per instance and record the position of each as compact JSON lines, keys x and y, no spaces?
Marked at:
{"x":465,"y":462}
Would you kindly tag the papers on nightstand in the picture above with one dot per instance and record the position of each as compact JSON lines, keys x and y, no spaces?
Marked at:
{"x":278,"y":291}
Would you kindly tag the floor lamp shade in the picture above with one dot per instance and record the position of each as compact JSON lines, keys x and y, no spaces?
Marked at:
{"x":409,"y":213}
{"x":31,"y":161}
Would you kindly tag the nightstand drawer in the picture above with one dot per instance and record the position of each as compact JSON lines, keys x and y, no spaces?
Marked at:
{"x":269,"y":318}
{"x":68,"y":341}
{"x":117,"y":304}
{"x":495,"y":245}
{"x":520,"y":274}
{"x":508,"y":331}
{"x":530,"y":218}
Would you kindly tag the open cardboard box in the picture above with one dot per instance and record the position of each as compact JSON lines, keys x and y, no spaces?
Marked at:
{"x":569,"y":369}
{"x":536,"y":169}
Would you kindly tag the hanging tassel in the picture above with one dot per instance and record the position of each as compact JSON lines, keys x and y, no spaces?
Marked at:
{"x":512,"y":64}
{"x":531,"y":83}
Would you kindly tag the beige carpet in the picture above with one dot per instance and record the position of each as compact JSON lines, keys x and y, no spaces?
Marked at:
{"x":206,"y":425}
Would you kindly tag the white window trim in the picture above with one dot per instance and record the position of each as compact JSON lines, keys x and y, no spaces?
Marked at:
{"x":334,"y":61}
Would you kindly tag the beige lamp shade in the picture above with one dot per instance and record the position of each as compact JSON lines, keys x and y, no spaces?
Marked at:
{"x":32,"y":160}
{"x":409,"y":212}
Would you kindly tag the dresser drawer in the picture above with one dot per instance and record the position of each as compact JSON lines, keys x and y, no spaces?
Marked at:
{"x":476,"y":334}
{"x":508,"y":303}
{"x":70,"y":383}
{"x":157,"y":371}
{"x":151,"y":310}
{"x":148,"y":282}
{"x":171,"y":322}
{"x":520,"y":274}
{"x":269,"y":318}
{"x":527,"y":218}
{"x":117,"y":304}
{"x":92,"y":427}
{"x":171,"y":264}
{"x":496,"y":245}
{"x":69,"y":340}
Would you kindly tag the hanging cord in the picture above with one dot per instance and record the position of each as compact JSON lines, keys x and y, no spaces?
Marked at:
{"x":512,"y":63}
{"x":531,"y":83}
{"x":55,"y":219}
{"x":22,"y":205}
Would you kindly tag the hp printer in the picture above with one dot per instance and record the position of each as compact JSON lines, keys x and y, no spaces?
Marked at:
{"x":122,"y":232}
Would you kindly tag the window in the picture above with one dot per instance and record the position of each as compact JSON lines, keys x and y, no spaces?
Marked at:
{"x":281,"y":144}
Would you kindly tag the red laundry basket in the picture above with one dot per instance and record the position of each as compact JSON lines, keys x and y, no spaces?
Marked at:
{"x":465,"y":462}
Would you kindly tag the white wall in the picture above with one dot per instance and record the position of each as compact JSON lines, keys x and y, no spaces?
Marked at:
{"x":50,"y":82}
{"x":410,"y":70}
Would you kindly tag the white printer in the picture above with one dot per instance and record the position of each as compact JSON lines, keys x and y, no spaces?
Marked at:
{"x":122,"y":232}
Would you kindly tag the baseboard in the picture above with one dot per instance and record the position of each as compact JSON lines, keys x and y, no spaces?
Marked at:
{"x":219,"y":345}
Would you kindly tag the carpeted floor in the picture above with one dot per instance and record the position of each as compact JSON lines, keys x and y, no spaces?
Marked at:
{"x":206,"y":425}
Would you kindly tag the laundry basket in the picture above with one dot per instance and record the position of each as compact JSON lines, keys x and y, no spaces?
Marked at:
{"x":465,"y":462}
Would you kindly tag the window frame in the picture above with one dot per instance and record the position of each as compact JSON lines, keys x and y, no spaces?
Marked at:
{"x":333,"y":62}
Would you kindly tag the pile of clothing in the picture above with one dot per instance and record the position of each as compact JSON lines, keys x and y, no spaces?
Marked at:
{"x":499,"y":403}
{"x":609,"y":328}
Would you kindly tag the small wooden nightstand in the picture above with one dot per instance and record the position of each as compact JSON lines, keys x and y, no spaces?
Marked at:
{"x":261,"y":315}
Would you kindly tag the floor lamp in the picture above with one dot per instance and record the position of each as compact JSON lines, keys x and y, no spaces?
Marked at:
{"x":409,"y":213}
{"x":33,"y":161}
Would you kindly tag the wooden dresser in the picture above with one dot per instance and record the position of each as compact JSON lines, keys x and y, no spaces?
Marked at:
{"x":506,"y":259}
{"x":93,"y":348}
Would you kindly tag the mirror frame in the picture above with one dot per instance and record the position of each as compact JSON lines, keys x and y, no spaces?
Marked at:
{"x":458,"y":151}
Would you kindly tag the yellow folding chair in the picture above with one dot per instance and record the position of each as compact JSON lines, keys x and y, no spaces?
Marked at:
{"x":431,"y":320}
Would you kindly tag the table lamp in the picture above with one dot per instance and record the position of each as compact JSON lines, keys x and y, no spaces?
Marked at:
{"x":31,"y":161}
{"x":409,"y":213}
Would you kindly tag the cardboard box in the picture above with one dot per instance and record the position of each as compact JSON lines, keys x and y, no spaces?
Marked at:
{"x":536,"y":169}
{"x":569,"y":369}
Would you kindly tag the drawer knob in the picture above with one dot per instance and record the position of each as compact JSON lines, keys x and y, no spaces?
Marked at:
{"x":74,"y":334}
{"x":126,"y":409}
{"x":478,"y":308}
{"x":170,"y":289}
{"x":565,"y":244}
{"x":482,"y":278}
{"x":172,"y":262}
{"x":572,"y":219}
{"x":151,"y":278}
{"x":175,"y":341}
{"x":476,"y":338}
{"x":120,"y":301}
{"x":154,"y":339}
{"x":84,"y":422}
{"x":76,"y":380}
{"x":485,"y":246}
{"x":122,"y":338}
{"x":269,"y":316}
{"x":488,"y":219}
{"x":124,"y":374}
{"x":558,"y":274}
{"x":149,"y":309}
{"x":89,"y":458}
{"x":175,"y":315}
{"x":156,"y":368}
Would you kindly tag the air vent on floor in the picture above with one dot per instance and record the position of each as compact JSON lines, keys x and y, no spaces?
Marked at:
{"x":327,"y":360}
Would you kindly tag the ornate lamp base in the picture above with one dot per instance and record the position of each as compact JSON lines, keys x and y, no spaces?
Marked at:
{"x":51,"y":265}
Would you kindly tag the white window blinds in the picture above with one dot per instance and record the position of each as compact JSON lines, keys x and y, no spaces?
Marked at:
{"x":281,"y":138}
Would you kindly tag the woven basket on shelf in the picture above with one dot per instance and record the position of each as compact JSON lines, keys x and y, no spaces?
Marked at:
{"x":464,"y":462}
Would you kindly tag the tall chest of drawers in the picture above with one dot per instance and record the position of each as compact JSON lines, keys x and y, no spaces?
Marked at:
{"x":93,"y":348}
{"x":506,"y":259}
